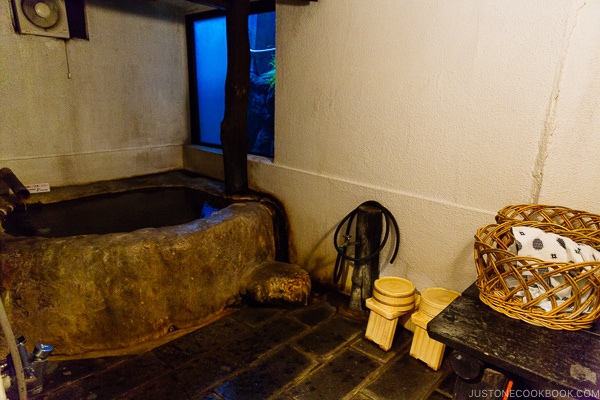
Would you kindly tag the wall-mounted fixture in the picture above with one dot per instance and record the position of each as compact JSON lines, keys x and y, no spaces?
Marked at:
{"x":41,"y":17}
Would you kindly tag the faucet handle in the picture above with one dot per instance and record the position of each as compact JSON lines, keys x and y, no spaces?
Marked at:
{"x":42,"y":351}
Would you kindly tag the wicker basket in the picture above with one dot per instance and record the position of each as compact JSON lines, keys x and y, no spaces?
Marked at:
{"x":497,"y":266}
{"x":584,"y":222}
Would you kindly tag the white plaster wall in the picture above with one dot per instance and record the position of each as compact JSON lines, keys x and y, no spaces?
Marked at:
{"x":442,"y":111}
{"x":571,"y":170}
{"x":124,"y":109}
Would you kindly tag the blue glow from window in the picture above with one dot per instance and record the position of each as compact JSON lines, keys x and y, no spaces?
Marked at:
{"x":211,"y":69}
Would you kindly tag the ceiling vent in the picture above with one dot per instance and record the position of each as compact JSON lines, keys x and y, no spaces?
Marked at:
{"x":41,"y":17}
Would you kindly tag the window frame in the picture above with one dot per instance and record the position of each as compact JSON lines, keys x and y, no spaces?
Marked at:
{"x":256,"y":7}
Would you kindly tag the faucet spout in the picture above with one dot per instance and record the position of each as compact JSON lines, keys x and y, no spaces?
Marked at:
{"x":34,"y":366}
{"x":11,"y":180}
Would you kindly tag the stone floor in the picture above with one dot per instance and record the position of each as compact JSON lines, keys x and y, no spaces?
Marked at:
{"x":311,"y":352}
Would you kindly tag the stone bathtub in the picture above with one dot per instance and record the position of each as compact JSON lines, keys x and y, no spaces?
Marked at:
{"x":91,"y":294}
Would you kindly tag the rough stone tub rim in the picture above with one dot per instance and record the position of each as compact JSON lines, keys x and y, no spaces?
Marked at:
{"x":168,"y":179}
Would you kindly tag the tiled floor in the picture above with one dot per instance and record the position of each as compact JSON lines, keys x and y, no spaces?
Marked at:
{"x":310,"y":352}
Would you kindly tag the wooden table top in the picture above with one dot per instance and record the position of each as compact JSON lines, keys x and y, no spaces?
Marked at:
{"x":567,"y":359}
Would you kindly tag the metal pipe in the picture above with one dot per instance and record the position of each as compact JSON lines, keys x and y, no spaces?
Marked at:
{"x":14,"y":183}
{"x":14,"y":352}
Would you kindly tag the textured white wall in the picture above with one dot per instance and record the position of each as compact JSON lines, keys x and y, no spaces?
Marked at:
{"x":442,"y":111}
{"x":571,"y":171}
{"x":124,"y":110}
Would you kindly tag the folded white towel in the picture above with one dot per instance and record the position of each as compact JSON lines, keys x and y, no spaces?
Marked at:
{"x":545,"y":246}
{"x":534,"y":242}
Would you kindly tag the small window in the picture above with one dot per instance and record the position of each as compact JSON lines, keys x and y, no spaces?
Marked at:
{"x":207,"y":54}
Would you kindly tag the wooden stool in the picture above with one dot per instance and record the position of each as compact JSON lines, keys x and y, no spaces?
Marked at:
{"x":433,"y":301}
{"x":392,"y":298}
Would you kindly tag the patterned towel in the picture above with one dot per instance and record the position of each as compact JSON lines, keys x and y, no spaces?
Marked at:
{"x":534,"y":242}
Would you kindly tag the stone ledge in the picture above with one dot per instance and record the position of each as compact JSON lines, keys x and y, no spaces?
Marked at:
{"x":275,"y":282}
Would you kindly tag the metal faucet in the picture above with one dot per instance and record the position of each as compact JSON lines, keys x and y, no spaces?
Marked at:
{"x":8,"y":182}
{"x":34,"y":365}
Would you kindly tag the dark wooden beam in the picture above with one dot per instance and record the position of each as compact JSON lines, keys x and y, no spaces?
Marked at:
{"x":234,"y":128}
{"x":222,"y":4}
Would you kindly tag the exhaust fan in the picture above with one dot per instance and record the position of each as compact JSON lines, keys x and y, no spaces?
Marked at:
{"x":41,"y":17}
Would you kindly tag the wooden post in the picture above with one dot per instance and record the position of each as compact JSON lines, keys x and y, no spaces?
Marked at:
{"x":368,"y":235}
{"x":234,"y":128}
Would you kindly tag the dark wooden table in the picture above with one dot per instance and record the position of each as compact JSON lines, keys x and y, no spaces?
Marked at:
{"x":565,"y":362}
